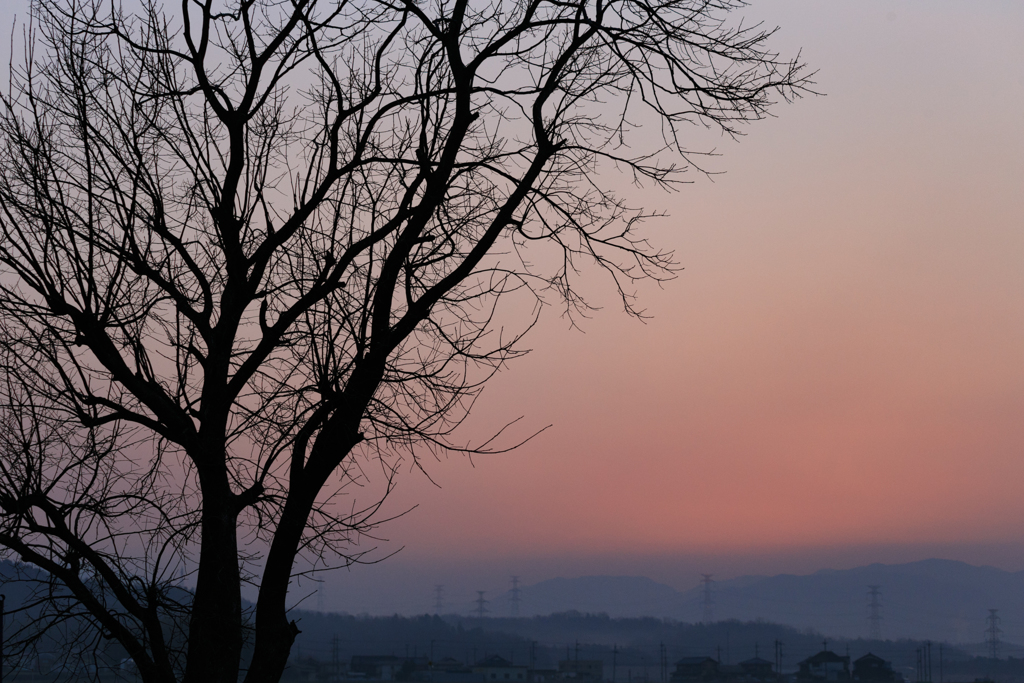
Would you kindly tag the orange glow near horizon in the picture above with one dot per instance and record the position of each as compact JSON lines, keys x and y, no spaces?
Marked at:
{"x":841,"y":362}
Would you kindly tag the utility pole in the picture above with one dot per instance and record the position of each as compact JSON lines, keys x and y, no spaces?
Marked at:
{"x":615,"y":659}
{"x":992,"y":633}
{"x":515,"y":596}
{"x":438,"y":598}
{"x":481,"y":603}
{"x":3,"y":599}
{"x":875,"y":614}
{"x":708,"y":601}
{"x":663,"y":652}
{"x":778,"y":659}
{"x":335,"y":658}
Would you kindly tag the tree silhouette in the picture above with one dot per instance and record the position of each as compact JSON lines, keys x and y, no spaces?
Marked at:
{"x":254,"y":247}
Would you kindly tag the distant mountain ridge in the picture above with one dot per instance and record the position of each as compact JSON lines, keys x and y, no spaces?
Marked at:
{"x":940,"y":599}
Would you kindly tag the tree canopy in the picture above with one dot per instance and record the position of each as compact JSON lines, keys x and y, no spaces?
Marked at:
{"x":249,"y":247}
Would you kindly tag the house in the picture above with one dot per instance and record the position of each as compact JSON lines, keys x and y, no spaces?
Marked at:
{"x":873,"y":668}
{"x":758,"y":669}
{"x":446,"y":670}
{"x":824,"y":666}
{"x":695,"y":669}
{"x":495,"y":668}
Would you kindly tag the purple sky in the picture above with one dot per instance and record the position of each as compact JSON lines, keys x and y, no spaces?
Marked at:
{"x":837,"y":376}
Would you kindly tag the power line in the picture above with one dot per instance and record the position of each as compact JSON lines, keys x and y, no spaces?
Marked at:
{"x":708,"y":602}
{"x":875,"y":615}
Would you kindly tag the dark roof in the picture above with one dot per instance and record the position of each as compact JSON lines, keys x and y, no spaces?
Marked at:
{"x":869,"y":658}
{"x":495,"y":662}
{"x":689,"y":661}
{"x":825,"y":657}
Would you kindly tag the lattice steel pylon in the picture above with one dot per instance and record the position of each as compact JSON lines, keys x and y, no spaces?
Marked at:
{"x":481,"y":604}
{"x":514,"y":596}
{"x":708,"y":601}
{"x":992,"y":633}
{"x":875,"y":612}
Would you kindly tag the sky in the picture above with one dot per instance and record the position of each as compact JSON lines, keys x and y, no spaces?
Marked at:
{"x":835,"y":378}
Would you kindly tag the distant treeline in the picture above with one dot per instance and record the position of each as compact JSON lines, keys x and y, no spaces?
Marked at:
{"x":630,"y":646}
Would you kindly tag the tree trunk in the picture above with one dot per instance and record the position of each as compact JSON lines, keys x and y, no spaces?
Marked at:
{"x":274,"y":633}
{"x":215,"y":630}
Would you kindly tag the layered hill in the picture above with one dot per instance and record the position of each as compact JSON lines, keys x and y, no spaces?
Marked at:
{"x":938,"y":599}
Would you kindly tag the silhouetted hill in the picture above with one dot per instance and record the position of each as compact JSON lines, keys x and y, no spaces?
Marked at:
{"x":936,"y":599}
{"x":617,"y":596}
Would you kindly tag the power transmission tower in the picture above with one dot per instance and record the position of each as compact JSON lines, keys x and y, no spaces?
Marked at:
{"x":515,"y":596}
{"x":708,"y":601}
{"x":992,"y":633}
{"x":438,"y":598}
{"x":875,"y":614}
{"x":481,"y":603}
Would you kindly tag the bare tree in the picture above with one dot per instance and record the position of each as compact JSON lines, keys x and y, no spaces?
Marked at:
{"x":253,"y":247}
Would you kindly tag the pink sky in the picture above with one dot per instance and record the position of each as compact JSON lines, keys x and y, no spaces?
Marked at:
{"x":841,"y":364}
{"x":837,"y":374}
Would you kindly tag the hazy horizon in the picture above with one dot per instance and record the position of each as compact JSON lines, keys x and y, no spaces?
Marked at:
{"x":835,"y":379}
{"x":404,"y":584}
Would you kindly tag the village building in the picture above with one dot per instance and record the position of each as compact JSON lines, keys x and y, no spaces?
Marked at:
{"x":695,"y":669}
{"x":758,"y":669}
{"x":497,"y":668}
{"x":824,"y":666}
{"x":873,"y":668}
